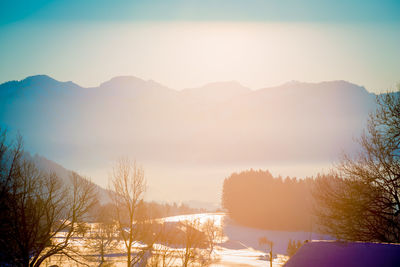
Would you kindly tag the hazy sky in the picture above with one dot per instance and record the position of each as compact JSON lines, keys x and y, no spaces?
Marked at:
{"x":188,"y":43}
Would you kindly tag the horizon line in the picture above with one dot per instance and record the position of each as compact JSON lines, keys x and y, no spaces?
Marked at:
{"x":187,"y":88}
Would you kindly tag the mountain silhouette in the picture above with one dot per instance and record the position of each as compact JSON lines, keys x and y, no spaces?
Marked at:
{"x":219,"y":122}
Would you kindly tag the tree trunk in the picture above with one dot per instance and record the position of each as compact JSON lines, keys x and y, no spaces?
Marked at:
{"x":129,"y":256}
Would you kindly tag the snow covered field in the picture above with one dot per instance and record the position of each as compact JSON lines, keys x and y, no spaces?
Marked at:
{"x":238,"y":247}
{"x":241,"y":247}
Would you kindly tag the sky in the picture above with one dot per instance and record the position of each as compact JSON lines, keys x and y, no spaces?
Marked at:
{"x":187,"y":43}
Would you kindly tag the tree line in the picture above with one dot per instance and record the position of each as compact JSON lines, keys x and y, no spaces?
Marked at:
{"x":257,"y":199}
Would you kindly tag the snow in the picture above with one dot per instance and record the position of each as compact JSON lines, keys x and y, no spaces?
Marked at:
{"x":239,"y":247}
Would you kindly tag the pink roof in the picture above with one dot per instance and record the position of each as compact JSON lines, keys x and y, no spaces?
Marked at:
{"x":339,"y":253}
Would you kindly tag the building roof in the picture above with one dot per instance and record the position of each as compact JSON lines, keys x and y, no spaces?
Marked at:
{"x":339,"y":253}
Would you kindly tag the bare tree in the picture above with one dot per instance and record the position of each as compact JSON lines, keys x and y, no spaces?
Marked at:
{"x":185,"y":241}
{"x":164,"y":253}
{"x":362,"y":199}
{"x":127,"y":184}
{"x":36,"y":208}
{"x":293,"y":247}
{"x":103,"y":236}
{"x":213,"y":233}
{"x":262,"y":241}
{"x":194,"y":244}
{"x":163,"y":256}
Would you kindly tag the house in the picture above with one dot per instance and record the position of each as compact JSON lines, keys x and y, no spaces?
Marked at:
{"x":339,"y":253}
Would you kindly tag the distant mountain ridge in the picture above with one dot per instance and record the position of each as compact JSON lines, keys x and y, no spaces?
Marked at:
{"x":151,"y":118}
{"x":231,"y":88}
{"x":219,"y":124}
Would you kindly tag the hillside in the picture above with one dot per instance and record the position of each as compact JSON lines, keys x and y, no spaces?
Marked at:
{"x":49,"y":166}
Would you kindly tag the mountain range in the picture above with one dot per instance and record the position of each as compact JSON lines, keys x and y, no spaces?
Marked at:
{"x":219,"y":124}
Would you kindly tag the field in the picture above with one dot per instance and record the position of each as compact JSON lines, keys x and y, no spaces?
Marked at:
{"x":239,"y":245}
